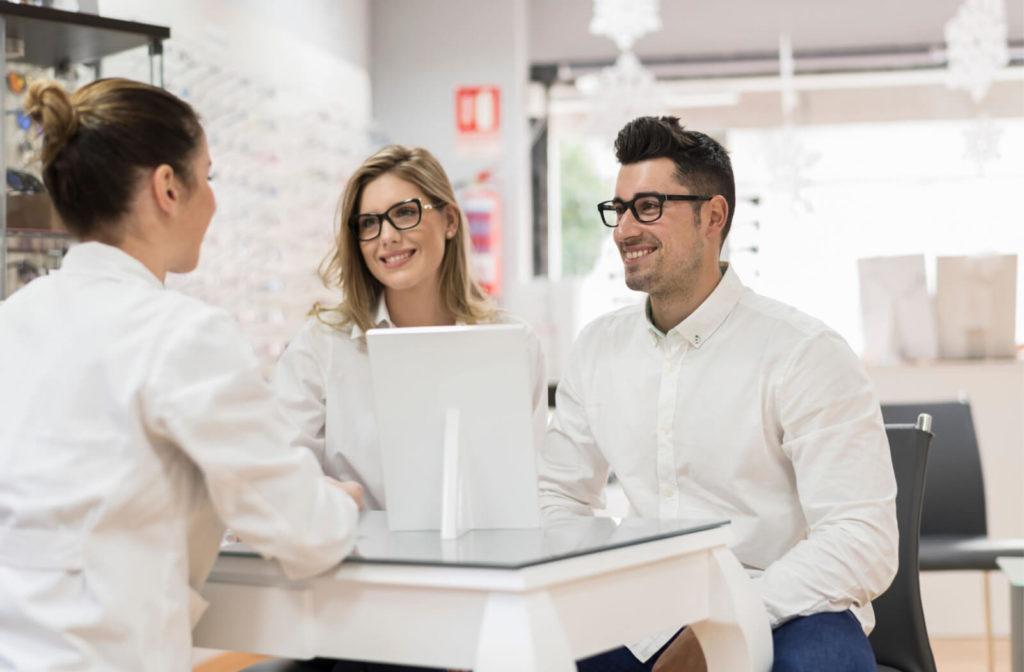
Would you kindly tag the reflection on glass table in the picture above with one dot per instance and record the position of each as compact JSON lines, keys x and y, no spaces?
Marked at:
{"x":507,"y":549}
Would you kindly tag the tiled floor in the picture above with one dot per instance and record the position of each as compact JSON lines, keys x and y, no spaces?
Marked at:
{"x":212,"y":661}
{"x":968,"y":655}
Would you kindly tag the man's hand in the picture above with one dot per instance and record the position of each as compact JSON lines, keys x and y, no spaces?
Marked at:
{"x":353,"y":489}
{"x":682,"y":655}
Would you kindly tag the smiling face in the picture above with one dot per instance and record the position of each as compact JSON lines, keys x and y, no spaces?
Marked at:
{"x":410,"y":259}
{"x":666,"y":257}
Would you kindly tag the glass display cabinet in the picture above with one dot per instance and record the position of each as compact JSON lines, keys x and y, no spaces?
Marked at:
{"x":67,"y":46}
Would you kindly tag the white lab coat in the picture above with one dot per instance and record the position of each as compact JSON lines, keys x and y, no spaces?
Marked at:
{"x":134,"y":423}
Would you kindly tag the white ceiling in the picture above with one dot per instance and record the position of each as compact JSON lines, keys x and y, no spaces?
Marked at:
{"x":721,"y":28}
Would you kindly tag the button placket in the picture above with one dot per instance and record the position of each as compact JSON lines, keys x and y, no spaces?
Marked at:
{"x":672,"y":354}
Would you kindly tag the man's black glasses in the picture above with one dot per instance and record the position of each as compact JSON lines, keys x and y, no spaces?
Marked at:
{"x":646,"y":207}
{"x":403,"y":216}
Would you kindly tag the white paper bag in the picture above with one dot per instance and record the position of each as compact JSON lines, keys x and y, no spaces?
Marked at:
{"x":897,"y":314}
{"x":976,"y":301}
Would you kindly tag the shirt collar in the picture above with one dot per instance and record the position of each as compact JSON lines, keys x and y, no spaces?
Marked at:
{"x":102,"y":260}
{"x":701,"y":325}
{"x":381,"y":319}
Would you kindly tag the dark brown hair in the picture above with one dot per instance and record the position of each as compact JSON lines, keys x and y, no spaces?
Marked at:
{"x":702,"y":164}
{"x":96,"y":140}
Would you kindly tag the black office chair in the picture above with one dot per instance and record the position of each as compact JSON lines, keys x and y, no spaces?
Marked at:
{"x":954,"y":526}
{"x":900,"y":638}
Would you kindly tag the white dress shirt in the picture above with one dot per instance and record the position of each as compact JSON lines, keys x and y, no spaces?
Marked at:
{"x":750,"y":411}
{"x":133,"y":423}
{"x":324,"y":382}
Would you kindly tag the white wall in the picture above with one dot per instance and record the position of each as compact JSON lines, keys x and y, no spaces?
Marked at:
{"x":284,"y":95}
{"x":420,"y":54}
{"x":316,"y":45}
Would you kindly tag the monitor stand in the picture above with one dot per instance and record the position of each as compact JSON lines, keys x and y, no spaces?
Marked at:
{"x":453,"y":490}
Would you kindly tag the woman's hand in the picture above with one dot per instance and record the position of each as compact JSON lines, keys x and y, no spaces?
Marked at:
{"x":351,"y":488}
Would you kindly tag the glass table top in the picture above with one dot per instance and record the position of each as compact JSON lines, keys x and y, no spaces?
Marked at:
{"x":1013,"y":568}
{"x":504,"y":549}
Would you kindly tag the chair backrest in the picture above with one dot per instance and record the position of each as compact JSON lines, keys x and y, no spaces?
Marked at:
{"x":954,"y":503}
{"x":900,"y":638}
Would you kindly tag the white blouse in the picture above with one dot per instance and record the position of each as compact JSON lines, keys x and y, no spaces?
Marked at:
{"x":324,"y":382}
{"x":134,"y":424}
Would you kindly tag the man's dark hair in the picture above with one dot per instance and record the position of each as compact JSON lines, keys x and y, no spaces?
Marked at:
{"x":702,"y":164}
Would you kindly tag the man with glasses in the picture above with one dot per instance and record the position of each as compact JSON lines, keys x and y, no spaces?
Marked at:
{"x":709,"y":401}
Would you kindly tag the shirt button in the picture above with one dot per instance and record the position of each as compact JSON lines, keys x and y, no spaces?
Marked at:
{"x":664,"y":430}
{"x":696,"y":340}
{"x":669,"y":492}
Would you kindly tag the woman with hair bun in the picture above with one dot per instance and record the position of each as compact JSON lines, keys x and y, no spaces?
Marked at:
{"x":134,"y":422}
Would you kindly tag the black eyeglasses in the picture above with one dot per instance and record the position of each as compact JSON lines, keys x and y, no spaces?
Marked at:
{"x":646,"y":207}
{"x":19,"y":180}
{"x":403,"y":216}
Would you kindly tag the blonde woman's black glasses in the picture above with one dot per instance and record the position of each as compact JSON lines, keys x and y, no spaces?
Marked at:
{"x":403,"y":216}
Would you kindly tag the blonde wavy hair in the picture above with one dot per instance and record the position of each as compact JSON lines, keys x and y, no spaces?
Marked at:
{"x":345,"y":268}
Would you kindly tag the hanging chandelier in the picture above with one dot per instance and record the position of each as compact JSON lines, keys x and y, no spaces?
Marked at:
{"x":626,"y":89}
{"x":976,"y":46}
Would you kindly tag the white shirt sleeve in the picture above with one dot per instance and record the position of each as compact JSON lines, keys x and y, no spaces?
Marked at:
{"x":832,"y":431}
{"x":206,"y":395}
{"x":299,"y":385}
{"x":572,"y":470}
{"x":539,"y":391}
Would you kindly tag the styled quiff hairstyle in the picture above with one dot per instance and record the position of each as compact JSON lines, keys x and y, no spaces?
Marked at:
{"x":702,"y":164}
{"x":345,"y":268}
{"x":97,"y":140}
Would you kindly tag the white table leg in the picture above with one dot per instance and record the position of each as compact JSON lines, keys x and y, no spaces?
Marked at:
{"x":736,"y":635}
{"x":1017,"y":624}
{"x":522,"y":633}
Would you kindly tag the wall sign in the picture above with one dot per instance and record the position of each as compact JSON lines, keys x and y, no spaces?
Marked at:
{"x":478,"y":121}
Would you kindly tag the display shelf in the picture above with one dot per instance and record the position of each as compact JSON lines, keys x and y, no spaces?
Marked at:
{"x":54,"y":37}
{"x":39,"y":233}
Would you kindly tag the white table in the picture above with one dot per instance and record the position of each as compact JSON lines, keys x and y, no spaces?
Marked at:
{"x":1013,"y":568}
{"x":497,"y":599}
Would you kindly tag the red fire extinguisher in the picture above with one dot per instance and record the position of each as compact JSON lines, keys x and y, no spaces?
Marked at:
{"x":481,"y":204}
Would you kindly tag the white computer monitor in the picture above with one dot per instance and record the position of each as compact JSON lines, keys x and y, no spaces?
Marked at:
{"x":454,"y":414}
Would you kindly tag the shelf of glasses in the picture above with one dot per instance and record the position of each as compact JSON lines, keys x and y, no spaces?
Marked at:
{"x":38,"y":233}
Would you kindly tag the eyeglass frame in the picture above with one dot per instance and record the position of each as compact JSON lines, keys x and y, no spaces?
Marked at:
{"x":353,"y":221}
{"x":631,"y":206}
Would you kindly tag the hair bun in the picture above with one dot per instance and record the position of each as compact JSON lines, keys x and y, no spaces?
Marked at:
{"x":48,"y":105}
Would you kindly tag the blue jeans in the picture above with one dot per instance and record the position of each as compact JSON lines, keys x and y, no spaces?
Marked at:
{"x":832,"y":641}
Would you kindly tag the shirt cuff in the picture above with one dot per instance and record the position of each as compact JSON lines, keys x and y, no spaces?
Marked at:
{"x":643,"y":649}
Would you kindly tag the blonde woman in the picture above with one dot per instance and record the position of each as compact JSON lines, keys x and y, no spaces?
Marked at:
{"x":400,"y":260}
